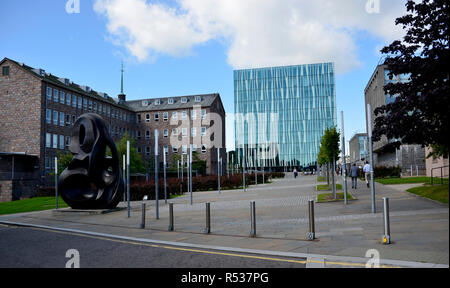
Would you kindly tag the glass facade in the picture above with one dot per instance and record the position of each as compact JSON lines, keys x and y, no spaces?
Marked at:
{"x":281,"y":114}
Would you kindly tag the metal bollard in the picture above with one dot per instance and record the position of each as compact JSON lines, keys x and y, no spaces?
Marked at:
{"x":207,"y":230}
{"x":143,"y":216}
{"x":387,"y":229}
{"x":171,"y":226}
{"x":312,"y":229}
{"x":253,"y":219}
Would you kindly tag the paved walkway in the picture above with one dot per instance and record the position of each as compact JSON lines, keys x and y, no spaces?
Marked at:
{"x":419,"y":227}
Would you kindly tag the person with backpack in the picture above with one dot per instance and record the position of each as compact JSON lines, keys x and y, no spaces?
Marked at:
{"x":366,"y":170}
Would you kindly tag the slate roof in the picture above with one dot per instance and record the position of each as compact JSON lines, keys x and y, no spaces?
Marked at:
{"x":150,"y":104}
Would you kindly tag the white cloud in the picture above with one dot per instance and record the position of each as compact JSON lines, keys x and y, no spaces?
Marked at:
{"x":256,"y":33}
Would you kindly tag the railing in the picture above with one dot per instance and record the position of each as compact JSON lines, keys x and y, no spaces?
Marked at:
{"x":442,"y":174}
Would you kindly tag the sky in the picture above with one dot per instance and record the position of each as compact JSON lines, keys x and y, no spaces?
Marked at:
{"x":187,"y":47}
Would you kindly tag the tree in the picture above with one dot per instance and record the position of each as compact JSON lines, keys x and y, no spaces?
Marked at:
{"x":419,"y":114}
{"x":64,"y":159}
{"x":136,"y":163}
{"x":329,"y":150}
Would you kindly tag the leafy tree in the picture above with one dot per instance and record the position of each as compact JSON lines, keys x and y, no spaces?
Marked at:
{"x":329,"y":149}
{"x":419,"y":114}
{"x":64,"y":159}
{"x":136,"y":163}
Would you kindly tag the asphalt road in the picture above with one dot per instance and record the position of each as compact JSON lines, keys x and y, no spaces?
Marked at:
{"x":30,"y":247}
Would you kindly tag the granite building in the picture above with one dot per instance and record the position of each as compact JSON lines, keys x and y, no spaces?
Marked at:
{"x":409,"y":157}
{"x":38,"y":110}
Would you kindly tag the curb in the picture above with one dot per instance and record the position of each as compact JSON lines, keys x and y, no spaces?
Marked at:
{"x":355,"y":260}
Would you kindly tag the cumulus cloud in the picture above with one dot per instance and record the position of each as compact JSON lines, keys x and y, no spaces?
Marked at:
{"x":256,"y":33}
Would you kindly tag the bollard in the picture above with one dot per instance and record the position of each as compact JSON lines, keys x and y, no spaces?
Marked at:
{"x":253,"y":219}
{"x":171,"y":226}
{"x":208,"y":219}
{"x":312,"y":228}
{"x":387,"y":229}
{"x":143,"y":216}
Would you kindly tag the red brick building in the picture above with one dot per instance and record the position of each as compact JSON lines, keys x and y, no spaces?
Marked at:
{"x":38,"y":109}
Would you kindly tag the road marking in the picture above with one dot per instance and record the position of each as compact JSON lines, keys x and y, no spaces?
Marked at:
{"x":172,"y":248}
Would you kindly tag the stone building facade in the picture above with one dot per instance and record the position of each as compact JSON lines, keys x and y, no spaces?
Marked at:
{"x":38,"y":110}
{"x":409,"y":157}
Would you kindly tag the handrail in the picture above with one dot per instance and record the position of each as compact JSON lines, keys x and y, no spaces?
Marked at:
{"x":442,"y":175}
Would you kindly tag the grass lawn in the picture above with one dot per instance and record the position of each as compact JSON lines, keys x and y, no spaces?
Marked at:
{"x":29,"y":205}
{"x":321,"y":179}
{"x":325,"y":187}
{"x":327,"y":197}
{"x":435,"y":192}
{"x":408,"y":180}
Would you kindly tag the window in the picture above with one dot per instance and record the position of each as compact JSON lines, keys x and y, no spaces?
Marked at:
{"x":174,"y":150}
{"x":157,"y":102}
{"x":108,"y":110}
{"x":67,"y":119}
{"x":85,"y":103}
{"x":99,"y":108}
{"x":184,"y":100}
{"x":95,"y":106}
{"x":90,"y":105}
{"x":194,"y":147}
{"x":5,"y":70}
{"x":175,"y":115}
{"x":104,"y":108}
{"x":166,"y":133}
{"x":156,"y":116}
{"x":112,"y":113}
{"x":61,"y":142}
{"x":147,"y":150}
{"x":49,"y":93}
{"x":165,"y":116}
{"x":48,"y":140}
{"x":166,"y":149}
{"x":62,"y":98}
{"x":184,"y":132}
{"x":198,"y":99}
{"x":174,"y":132}
{"x":170,"y":101}
{"x":138,"y":134}
{"x":203,"y":131}
{"x":147,"y":117}
{"x":80,"y":102}
{"x":55,"y":117}
{"x":47,"y":163}
{"x":193,"y":114}
{"x":67,"y":141}
{"x":183,"y":115}
{"x":193,"y":131}
{"x":55,"y":95}
{"x":203,"y":149}
{"x":48,"y":116}
{"x":147,"y":134}
{"x":61,"y":118}
{"x":139,"y":118}
{"x":55,"y":141}
{"x":73,"y":119}
{"x":203,"y":114}
{"x":68,"y":99}
{"x":74,"y":101}
{"x":184,"y":149}
{"x":139,"y":149}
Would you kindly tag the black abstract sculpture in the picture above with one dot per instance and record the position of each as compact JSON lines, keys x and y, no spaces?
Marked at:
{"x":92,"y":179}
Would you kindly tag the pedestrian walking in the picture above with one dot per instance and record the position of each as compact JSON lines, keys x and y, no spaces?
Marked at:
{"x":295,"y":173}
{"x":366,"y":171}
{"x":354,"y":172}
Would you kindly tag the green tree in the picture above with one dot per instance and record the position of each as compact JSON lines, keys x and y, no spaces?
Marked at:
{"x":64,"y":159}
{"x":136,"y":163}
{"x":329,"y":151}
{"x":419,"y":114}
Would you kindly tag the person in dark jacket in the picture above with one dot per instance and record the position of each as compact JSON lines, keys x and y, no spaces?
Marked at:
{"x":354,"y":172}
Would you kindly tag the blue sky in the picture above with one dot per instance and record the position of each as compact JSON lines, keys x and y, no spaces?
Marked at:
{"x":199,"y":44}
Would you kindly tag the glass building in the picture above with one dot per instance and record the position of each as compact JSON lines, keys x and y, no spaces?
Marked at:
{"x":281,"y":114}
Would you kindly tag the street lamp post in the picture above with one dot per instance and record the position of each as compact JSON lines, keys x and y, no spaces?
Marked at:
{"x":369,"y":134}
